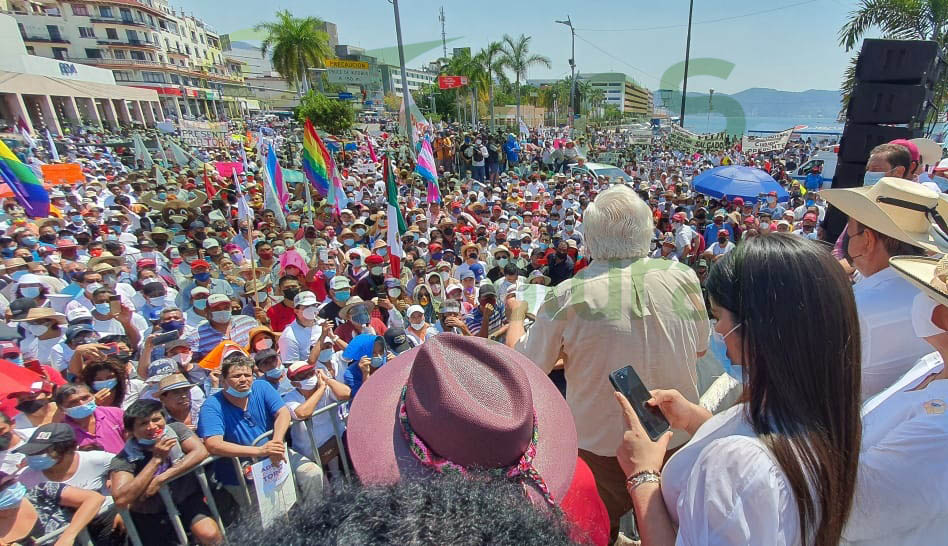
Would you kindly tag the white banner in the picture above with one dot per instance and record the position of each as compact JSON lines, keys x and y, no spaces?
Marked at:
{"x":208,"y":134}
{"x":763,"y":144}
{"x":275,"y":489}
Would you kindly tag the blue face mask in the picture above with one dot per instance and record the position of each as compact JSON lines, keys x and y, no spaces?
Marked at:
{"x":377,"y":361}
{"x":329,"y":273}
{"x":18,"y":360}
{"x":293,"y":225}
{"x":871,"y":178}
{"x":202,"y":277}
{"x":237,"y":394}
{"x":12,"y":496}
{"x":83,"y":411}
{"x":76,"y":219}
{"x":162,"y":196}
{"x":719,"y":350}
{"x":40,"y":462}
{"x":102,"y":308}
{"x":147,"y":441}
{"x":275,"y":373}
{"x":28,"y":241}
{"x":7,"y":252}
{"x":544,"y":246}
{"x":348,"y":242}
{"x":104,"y":384}
{"x":175,"y":325}
{"x":200,"y":304}
{"x":343,"y":295}
{"x":382,"y":252}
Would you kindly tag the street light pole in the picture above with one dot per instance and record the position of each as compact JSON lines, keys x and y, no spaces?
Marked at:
{"x":572,"y":70}
{"x":401,"y":60}
{"x":684,"y":82}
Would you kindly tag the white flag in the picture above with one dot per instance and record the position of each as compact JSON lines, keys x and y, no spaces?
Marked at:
{"x":53,"y":152}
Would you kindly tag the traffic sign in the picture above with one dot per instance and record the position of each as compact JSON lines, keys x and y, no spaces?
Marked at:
{"x":345,"y":96}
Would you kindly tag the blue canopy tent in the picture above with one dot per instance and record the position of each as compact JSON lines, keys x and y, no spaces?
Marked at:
{"x":737,"y":181}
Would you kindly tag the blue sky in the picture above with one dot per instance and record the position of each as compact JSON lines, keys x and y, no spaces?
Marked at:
{"x":792,"y":47}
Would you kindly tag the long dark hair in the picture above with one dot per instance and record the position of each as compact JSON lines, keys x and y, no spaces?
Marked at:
{"x":114,"y":366}
{"x":801,"y":368}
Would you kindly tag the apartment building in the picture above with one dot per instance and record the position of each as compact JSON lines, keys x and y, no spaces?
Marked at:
{"x":623,"y":92}
{"x":145,"y":43}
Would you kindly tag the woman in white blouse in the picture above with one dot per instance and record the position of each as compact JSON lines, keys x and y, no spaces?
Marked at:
{"x":779,"y":468}
{"x":901,"y":494}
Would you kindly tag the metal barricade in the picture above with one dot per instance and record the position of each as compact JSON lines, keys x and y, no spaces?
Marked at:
{"x":333,"y":410}
{"x":50,"y":538}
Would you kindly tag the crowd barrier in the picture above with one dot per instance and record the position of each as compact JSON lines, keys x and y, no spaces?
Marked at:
{"x":199,"y":473}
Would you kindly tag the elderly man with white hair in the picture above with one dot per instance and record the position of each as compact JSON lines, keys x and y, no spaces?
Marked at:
{"x":623,"y":309}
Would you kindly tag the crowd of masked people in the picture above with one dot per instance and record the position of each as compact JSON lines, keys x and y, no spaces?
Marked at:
{"x":156,"y":326}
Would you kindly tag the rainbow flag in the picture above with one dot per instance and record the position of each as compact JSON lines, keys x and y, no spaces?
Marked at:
{"x":315,"y":164}
{"x":24,"y":184}
{"x":425,"y":167}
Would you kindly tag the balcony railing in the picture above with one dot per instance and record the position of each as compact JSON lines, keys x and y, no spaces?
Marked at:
{"x":132,"y":63}
{"x":44,"y":39}
{"x":127,"y":43}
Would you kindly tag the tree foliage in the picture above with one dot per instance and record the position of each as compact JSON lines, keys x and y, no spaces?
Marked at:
{"x":296,"y":44}
{"x":516,"y":58}
{"x":332,"y":115}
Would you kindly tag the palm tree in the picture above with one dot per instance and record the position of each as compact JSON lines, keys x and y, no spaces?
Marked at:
{"x":463,"y":64}
{"x":516,"y":57}
{"x":297,"y":44}
{"x":491,"y":66}
{"x":901,"y":20}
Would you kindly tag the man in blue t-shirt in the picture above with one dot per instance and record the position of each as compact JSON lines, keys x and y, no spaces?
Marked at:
{"x":232,"y":419}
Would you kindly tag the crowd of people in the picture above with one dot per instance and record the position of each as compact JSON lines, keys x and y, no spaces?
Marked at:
{"x":162,"y":322}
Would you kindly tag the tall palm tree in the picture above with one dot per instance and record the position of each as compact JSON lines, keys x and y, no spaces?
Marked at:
{"x":463,"y":64}
{"x":491,"y":66}
{"x":297,"y":44}
{"x":897,"y":19}
{"x":516,"y":57}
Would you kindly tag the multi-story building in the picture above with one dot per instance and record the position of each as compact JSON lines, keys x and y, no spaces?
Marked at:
{"x":623,"y":92}
{"x":392,"y":79}
{"x":144,"y":42}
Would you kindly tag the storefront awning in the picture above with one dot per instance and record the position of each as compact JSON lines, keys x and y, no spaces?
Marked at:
{"x":30,"y":84}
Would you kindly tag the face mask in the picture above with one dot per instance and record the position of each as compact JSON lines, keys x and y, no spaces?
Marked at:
{"x":418,"y":325}
{"x":262,"y":296}
{"x":30,"y":291}
{"x":349,"y":242}
{"x":502,"y":262}
{"x":237,"y":394}
{"x":90,"y":288}
{"x":32,"y":406}
{"x":290,"y":243}
{"x":221,"y":316}
{"x":158,"y":302}
{"x":329,"y":273}
{"x":104,"y":384}
{"x":83,"y":411}
{"x":361,"y":318}
{"x":37,"y":329}
{"x":5,"y":441}
{"x":922,"y":309}
{"x":719,"y":349}
{"x":343,"y":295}
{"x":357,"y":262}
{"x":293,"y":225}
{"x":377,"y":361}
{"x":147,"y":441}
{"x":202,"y":277}
{"x":102,"y":308}
{"x":290,"y":293}
{"x":28,"y":241}
{"x":76,"y":219}
{"x":543,"y":246}
{"x":275,"y":373}
{"x":871,"y":178}
{"x":325,"y":355}
{"x":378,"y":270}
{"x":382,"y":252}
{"x":183,"y":359}
{"x":40,"y":462}
{"x":394,"y":292}
{"x":309,"y":384}
{"x":309,"y":313}
{"x":200,"y":304}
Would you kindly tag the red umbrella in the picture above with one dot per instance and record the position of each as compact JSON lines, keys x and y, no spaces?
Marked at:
{"x":14,"y":378}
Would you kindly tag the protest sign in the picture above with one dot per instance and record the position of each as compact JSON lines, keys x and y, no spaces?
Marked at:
{"x":276,"y":491}
{"x":763,"y":144}
{"x":203,"y":133}
{"x":62,"y":173}
{"x":227,"y":168}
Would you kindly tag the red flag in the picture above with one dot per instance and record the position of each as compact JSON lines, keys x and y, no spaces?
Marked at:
{"x":208,"y":187}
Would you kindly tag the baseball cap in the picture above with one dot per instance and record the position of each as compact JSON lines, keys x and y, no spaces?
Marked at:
{"x":305,"y":299}
{"x":199,"y":291}
{"x":910,"y":146}
{"x":678,"y":217}
{"x":217,"y":298}
{"x":412,"y":309}
{"x":297,"y":368}
{"x":200,"y":263}
{"x":396,"y":340}
{"x":209,"y":243}
{"x":339,"y":283}
{"x":374,"y":259}
{"x":174,"y":343}
{"x":78,"y":314}
{"x":487,"y":290}
{"x":77,"y":329}
{"x":8,"y":348}
{"x":45,"y":436}
{"x":468,"y":274}
{"x":723,"y":232}
{"x":451,"y":306}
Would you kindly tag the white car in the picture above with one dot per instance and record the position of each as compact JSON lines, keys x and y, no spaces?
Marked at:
{"x":615,"y":174}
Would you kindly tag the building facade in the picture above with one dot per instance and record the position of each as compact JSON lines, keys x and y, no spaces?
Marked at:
{"x":144,"y":43}
{"x":622,"y":92}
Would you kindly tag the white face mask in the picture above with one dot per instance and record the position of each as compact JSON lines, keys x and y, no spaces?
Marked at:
{"x":309,"y":384}
{"x":418,"y":325}
{"x":922,"y":309}
{"x":309,"y":313}
{"x":37,"y":329}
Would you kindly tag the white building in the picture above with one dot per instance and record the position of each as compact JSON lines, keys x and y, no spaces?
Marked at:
{"x":59,"y":94}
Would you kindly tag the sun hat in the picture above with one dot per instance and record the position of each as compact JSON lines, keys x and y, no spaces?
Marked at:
{"x":340,"y":282}
{"x":173,"y":382}
{"x":930,"y":275}
{"x":39,"y":313}
{"x":894,"y":207}
{"x":537,"y":274}
{"x":457,"y":403}
{"x":928,"y":150}
{"x":354,"y":301}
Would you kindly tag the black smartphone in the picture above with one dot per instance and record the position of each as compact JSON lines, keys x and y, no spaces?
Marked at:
{"x":166,"y":337}
{"x":626,"y":381}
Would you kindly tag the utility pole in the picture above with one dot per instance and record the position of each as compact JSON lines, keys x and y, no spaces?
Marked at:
{"x":444,"y":40}
{"x":406,"y":97}
{"x":684,"y":82}
{"x":710,"y":107}
{"x":572,"y":70}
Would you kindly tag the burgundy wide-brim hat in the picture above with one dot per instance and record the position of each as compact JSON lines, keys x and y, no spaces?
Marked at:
{"x":472,"y":401}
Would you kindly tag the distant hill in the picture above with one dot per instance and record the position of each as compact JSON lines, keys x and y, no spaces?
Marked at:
{"x":763,"y":102}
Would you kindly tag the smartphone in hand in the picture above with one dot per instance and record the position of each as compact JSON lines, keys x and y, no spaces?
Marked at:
{"x":626,"y":381}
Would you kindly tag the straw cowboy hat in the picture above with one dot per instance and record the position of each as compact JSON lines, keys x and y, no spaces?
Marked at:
{"x":458,"y":403}
{"x":106,"y":258}
{"x":930,"y":275}
{"x":354,"y":301}
{"x":40,"y":313}
{"x":899,"y":208}
{"x":929,"y":150}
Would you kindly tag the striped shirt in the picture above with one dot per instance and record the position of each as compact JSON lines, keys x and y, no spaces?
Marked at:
{"x":207,"y":337}
{"x":474,"y":318}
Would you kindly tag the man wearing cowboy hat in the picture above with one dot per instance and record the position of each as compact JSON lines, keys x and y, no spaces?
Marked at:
{"x":43,"y":332}
{"x":889,"y":218}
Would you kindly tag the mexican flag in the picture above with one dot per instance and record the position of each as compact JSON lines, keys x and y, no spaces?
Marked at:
{"x":396,"y":222}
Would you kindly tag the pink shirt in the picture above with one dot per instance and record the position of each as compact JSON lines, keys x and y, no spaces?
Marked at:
{"x":109,"y":429}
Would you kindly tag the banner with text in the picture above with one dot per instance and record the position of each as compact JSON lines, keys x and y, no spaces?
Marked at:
{"x":451,"y":82}
{"x":203,"y":133}
{"x":763,"y":144}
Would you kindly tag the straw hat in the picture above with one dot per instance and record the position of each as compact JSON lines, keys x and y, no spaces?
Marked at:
{"x":354,"y":301}
{"x":929,"y":150}
{"x":105,"y":257}
{"x":894,"y":207}
{"x":40,"y":313}
{"x":930,"y":275}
